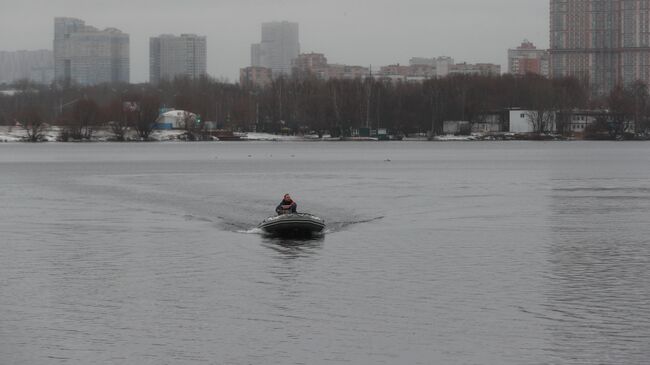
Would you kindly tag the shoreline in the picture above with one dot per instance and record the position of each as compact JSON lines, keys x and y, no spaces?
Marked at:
{"x":11,"y":134}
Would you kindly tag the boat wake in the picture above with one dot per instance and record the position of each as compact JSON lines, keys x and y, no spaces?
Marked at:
{"x":339,"y":226}
{"x":332,"y":227}
{"x":255,"y":230}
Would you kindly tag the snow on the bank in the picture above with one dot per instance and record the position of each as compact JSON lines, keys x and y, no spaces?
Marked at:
{"x":12,"y":134}
{"x":166,"y":134}
{"x":270,"y":137}
{"x":18,"y":134}
{"x":451,"y":137}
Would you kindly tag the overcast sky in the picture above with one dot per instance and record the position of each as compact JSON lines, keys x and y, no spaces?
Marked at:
{"x":360,"y":32}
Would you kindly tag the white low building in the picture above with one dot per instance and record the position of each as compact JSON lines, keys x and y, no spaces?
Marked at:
{"x":520,"y":121}
{"x":579,"y":121}
{"x":174,"y":119}
{"x":523,"y":121}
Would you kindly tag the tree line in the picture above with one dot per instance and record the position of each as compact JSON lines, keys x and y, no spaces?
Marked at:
{"x":307,"y":104}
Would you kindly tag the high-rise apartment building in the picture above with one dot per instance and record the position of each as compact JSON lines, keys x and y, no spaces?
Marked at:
{"x":36,"y":66}
{"x":527,"y":59}
{"x":87,"y":55}
{"x":310,"y":64}
{"x":280,"y":45}
{"x":606,"y":43}
{"x":171,"y":56}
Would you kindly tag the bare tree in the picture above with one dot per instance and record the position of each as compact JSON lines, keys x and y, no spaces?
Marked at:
{"x":622,"y":103}
{"x":307,"y":103}
{"x":542,"y":121}
{"x":31,"y":121}
{"x":542,"y":104}
{"x":144,"y":119}
{"x":118,"y":116}
{"x":84,"y":119}
{"x":639,"y":94}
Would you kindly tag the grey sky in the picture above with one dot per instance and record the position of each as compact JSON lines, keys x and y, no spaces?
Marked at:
{"x":362,"y":32}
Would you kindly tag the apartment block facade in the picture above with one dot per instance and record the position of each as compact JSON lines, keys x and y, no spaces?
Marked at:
{"x":310,"y":63}
{"x":279,"y":46}
{"x":176,"y":56}
{"x":36,"y":66}
{"x":604,"y":43}
{"x":88,"y":56}
{"x":526,"y":59}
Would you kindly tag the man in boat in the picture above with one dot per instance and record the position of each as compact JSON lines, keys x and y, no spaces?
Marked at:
{"x":286,"y":206}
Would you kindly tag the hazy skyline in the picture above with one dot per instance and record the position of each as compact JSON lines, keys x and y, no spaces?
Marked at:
{"x":361,"y":32}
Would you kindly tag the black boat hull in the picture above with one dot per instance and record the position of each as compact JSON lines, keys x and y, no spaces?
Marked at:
{"x":294,"y":225}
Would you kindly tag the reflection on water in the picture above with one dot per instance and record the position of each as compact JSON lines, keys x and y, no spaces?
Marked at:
{"x":597,"y":290}
{"x":295,"y":247}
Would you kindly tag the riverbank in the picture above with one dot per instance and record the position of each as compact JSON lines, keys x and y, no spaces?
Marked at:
{"x":19,"y":134}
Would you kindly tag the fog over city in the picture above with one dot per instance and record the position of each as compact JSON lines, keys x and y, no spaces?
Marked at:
{"x":360,"y":32}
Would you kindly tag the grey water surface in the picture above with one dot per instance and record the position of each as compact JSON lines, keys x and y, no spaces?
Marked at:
{"x":436,"y":253}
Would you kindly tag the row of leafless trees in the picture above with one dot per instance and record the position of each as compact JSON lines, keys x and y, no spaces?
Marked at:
{"x":306,"y":104}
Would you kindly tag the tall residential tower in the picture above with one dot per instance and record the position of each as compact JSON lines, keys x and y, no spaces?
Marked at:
{"x":88,"y":56}
{"x":605,"y":43}
{"x":171,"y":56}
{"x":280,"y":45}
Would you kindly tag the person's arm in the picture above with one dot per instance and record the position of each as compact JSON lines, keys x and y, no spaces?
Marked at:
{"x":294,"y":207}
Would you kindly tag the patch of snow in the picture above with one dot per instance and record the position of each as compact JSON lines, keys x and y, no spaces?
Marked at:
{"x":12,"y":134}
{"x":451,"y":137}
{"x":270,"y":137}
{"x":166,"y":134}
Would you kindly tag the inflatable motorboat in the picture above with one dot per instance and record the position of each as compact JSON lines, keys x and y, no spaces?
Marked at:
{"x":293,"y":224}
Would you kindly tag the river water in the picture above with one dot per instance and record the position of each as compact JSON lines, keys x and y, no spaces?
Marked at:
{"x":436,"y":253}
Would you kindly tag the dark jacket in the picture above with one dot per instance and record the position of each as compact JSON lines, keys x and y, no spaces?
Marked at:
{"x":286,"y":207}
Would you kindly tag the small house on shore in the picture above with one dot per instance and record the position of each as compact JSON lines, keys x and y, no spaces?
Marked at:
{"x":174,"y":119}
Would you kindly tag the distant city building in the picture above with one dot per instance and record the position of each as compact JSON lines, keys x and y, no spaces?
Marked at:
{"x":422,"y":61}
{"x":256,"y":55}
{"x":304,"y":65}
{"x":605,"y":43}
{"x":528,"y":59}
{"x":395,"y":70}
{"x":255,"y":76}
{"x":413,"y":72}
{"x":347,"y":72}
{"x":443,"y":64}
{"x":88,"y":56}
{"x":482,"y":69}
{"x":173,"y":56}
{"x":280,"y":45}
{"x":36,"y":66}
{"x":440,"y":64}
{"x":421,"y":68}
{"x":315,"y":64}
{"x":311,"y":64}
